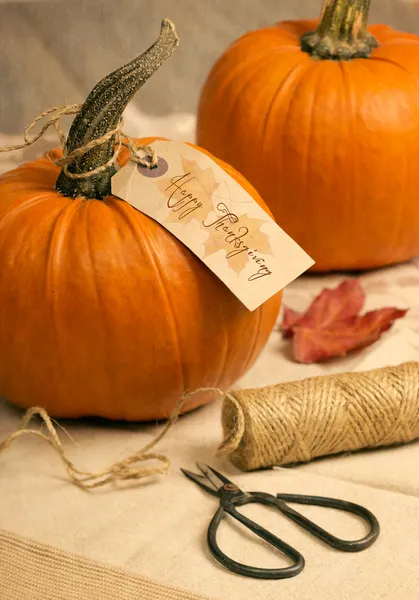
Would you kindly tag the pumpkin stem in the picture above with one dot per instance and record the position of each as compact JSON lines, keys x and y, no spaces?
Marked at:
{"x":342,"y":32}
{"x":101,"y":114}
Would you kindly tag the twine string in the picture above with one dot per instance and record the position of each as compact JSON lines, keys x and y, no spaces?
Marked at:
{"x":127,"y":469}
{"x":236,"y":429}
{"x":278,"y":425}
{"x":121,"y":140}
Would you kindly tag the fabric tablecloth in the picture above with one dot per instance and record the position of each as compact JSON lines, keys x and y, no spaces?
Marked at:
{"x":156,"y":529}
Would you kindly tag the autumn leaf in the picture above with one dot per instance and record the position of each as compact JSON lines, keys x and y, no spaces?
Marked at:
{"x":328,"y":307}
{"x":254,"y":240}
{"x":203,"y":184}
{"x":189,"y":194}
{"x":290,"y":319}
{"x":332,"y":327}
{"x":315,"y":345}
{"x":238,"y":263}
{"x":215,"y":243}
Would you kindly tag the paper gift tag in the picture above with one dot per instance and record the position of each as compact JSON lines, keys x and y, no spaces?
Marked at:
{"x":209,"y":212}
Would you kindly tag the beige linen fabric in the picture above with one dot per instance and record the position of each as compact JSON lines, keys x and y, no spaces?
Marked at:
{"x":52,"y":574}
{"x":156,"y":530}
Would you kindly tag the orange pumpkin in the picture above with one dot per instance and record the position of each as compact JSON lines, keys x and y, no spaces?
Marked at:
{"x":103,"y":312}
{"x":322,"y":117}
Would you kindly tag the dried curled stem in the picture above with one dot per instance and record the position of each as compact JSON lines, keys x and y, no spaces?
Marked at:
{"x":342,"y":33}
{"x":98,"y":120}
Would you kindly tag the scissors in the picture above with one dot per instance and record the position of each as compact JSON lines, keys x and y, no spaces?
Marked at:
{"x":231,"y":496}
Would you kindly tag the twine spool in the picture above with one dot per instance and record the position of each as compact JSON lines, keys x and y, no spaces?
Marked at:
{"x":278,"y":425}
{"x":298,"y":421}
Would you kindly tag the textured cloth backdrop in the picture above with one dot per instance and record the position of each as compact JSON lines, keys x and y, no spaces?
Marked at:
{"x":51,"y":574}
{"x":54,"y":52}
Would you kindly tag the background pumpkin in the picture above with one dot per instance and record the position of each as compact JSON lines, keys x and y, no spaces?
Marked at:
{"x":322,"y":117}
{"x":103,"y":312}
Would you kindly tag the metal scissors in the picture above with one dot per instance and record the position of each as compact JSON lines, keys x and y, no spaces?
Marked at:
{"x":231,"y":496}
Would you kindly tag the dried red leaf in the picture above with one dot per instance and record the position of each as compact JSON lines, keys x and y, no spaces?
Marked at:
{"x":332,"y":326}
{"x":315,"y":345}
{"x":330,"y":306}
{"x":290,"y":319}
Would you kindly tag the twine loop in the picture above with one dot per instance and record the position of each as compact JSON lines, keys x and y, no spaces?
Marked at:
{"x":127,"y":469}
{"x":121,"y":140}
{"x":237,"y":426}
{"x":123,"y":470}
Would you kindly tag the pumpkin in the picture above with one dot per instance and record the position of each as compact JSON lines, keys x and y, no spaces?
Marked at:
{"x":322,"y":117}
{"x":103,"y":312}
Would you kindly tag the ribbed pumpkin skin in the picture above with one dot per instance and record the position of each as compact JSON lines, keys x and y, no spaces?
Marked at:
{"x":105,"y":313}
{"x":332,"y":146}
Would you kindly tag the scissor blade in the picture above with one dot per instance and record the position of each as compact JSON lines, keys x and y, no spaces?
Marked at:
{"x":203,"y":482}
{"x":214,"y":476}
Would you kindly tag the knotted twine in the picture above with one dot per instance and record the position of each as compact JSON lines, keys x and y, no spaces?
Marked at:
{"x":121,"y":140}
{"x":301,"y":420}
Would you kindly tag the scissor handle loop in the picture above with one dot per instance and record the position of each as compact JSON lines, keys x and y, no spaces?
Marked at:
{"x":280,"y":502}
{"x":270,"y":538}
{"x":322,"y":534}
